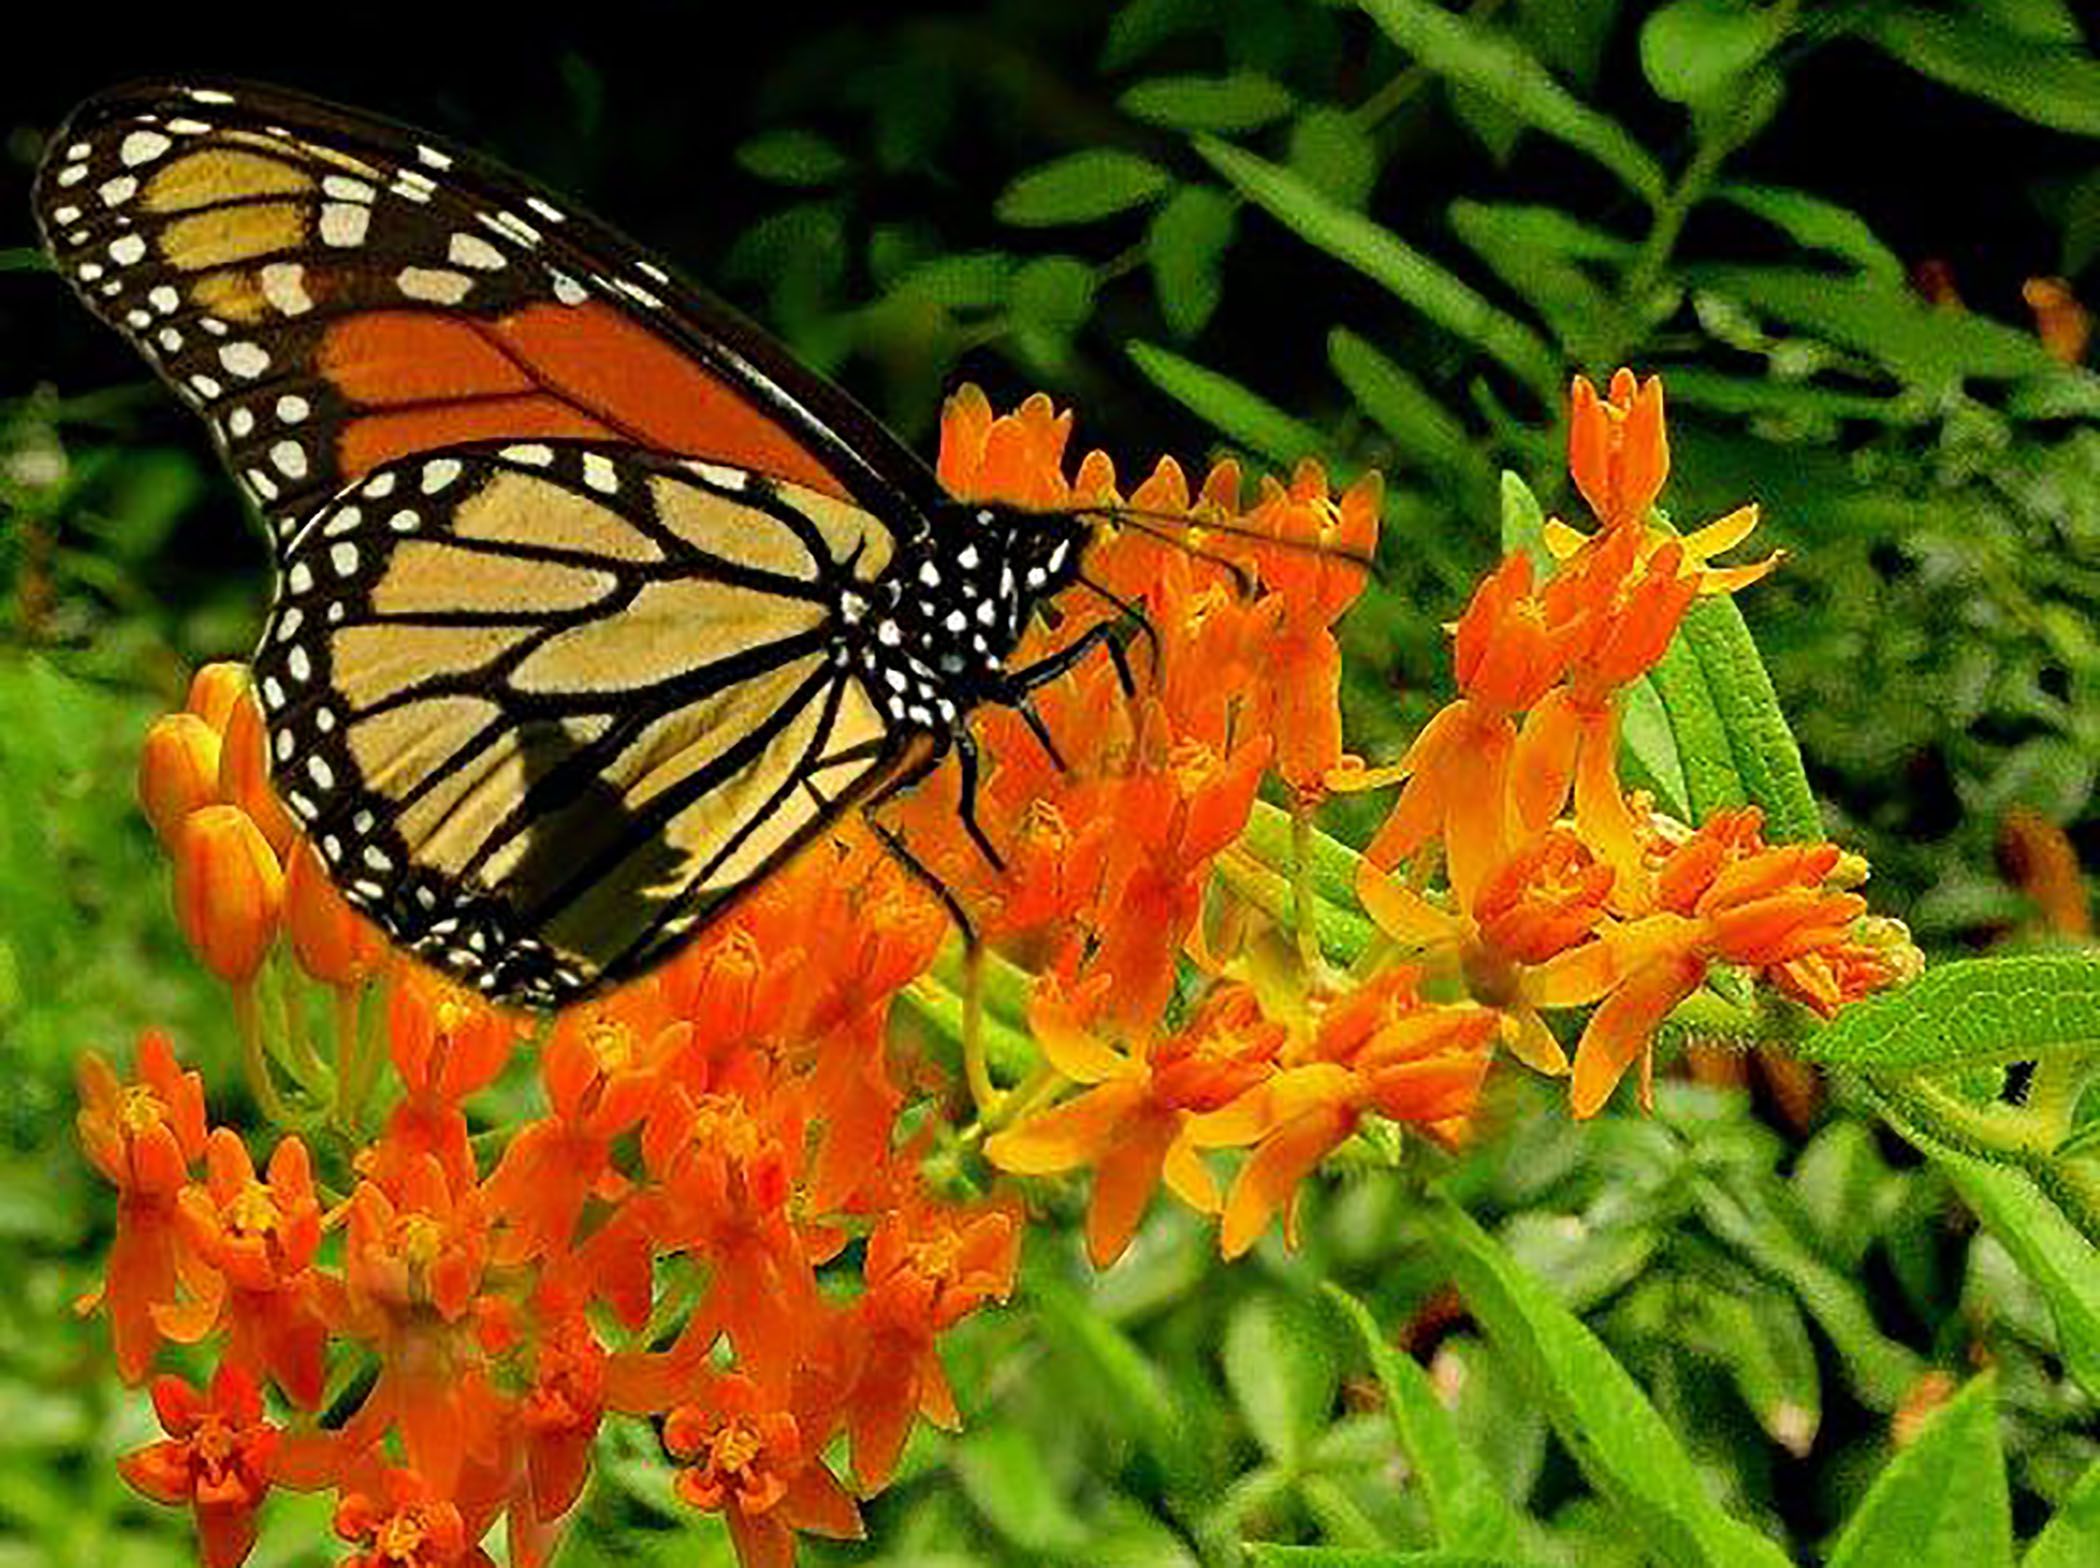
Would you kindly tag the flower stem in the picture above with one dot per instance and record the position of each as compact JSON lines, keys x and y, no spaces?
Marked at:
{"x":976,"y":1072}
{"x":247,"y":1019}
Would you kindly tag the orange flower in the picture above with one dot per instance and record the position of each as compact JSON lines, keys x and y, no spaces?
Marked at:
{"x":561,"y":1411}
{"x":1525,"y":943}
{"x":1508,"y":654}
{"x":1724,"y":896}
{"x":213,"y":691}
{"x":1129,"y":1122}
{"x":1175,"y":821}
{"x":1379,"y":1050}
{"x":261,"y":1238}
{"x":216,"y":1459}
{"x":420,"y":1245}
{"x":748,"y":1456}
{"x":1617,"y":448}
{"x":447,"y":1042}
{"x":1017,"y":457}
{"x":143,"y":1136}
{"x":228,"y":891}
{"x":929,"y":1265}
{"x":409,"y":1524}
{"x":178,"y":771}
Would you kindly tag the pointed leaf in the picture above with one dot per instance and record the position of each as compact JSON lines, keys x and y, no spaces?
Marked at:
{"x":1767,"y":760}
{"x":1974,"y":1010}
{"x":1385,"y":258}
{"x":1224,"y":104}
{"x":1245,"y":416}
{"x":2058,"y":87}
{"x":1081,"y":188}
{"x":1185,"y":248}
{"x":2071,"y":1539}
{"x":1465,"y":1502}
{"x":1629,"y":1455}
{"x":1693,"y":49}
{"x":1499,"y":68}
{"x":2050,"y":1252}
{"x":1942,"y":1502}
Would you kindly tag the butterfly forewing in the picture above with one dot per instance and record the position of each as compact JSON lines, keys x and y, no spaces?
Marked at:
{"x":542,"y":706}
{"x":333,"y":292}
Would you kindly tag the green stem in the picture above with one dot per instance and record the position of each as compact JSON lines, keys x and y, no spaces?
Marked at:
{"x":255,"y":1061}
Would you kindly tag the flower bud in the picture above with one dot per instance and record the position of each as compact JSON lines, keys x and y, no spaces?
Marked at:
{"x":244,"y":774}
{"x":332,"y":942}
{"x":228,"y":891}
{"x":178,"y":771}
{"x":213,"y":691}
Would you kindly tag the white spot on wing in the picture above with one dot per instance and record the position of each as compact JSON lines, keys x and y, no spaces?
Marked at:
{"x":343,"y":223}
{"x":471,"y":250}
{"x":434,"y":285}
{"x":142,"y":147}
{"x":284,"y":285}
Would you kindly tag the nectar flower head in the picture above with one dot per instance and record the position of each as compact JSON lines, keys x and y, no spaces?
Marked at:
{"x":228,"y":891}
{"x":216,"y":1459}
{"x":244,"y":773}
{"x":142,"y":1136}
{"x":213,"y":691}
{"x":332,"y":942}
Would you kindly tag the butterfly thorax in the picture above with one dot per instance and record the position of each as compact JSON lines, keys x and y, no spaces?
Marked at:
{"x":934,"y":635}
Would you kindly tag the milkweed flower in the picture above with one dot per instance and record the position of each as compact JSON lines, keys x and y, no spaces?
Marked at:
{"x":755,"y":1459}
{"x":260,"y":1238}
{"x":1618,"y":450}
{"x":143,"y":1137}
{"x":216,"y":1459}
{"x":178,"y":771}
{"x":1380,"y":1050}
{"x":405,"y":1522}
{"x":1130,"y":1121}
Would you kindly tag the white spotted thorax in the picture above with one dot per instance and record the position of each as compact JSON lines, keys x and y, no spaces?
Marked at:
{"x":935,"y":634}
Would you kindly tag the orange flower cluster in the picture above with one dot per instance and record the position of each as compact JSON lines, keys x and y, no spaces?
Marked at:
{"x":717,"y":1222}
{"x":1564,"y":889}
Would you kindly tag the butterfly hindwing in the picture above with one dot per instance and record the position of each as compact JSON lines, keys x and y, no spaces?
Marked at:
{"x":333,"y":292}
{"x":543,"y":706}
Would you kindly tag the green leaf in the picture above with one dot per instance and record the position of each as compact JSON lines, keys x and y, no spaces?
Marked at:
{"x":1974,"y":1010}
{"x":2058,"y":87}
{"x":1185,"y":248}
{"x":1589,"y":321}
{"x":1388,"y":260}
{"x":1422,"y":430}
{"x":1760,"y":1220}
{"x":1054,"y":294}
{"x":1262,"y":1554}
{"x":1113,"y":1363}
{"x":1767,"y":760}
{"x":1465,"y":1501}
{"x":1244,"y":101}
{"x":793,"y":157}
{"x":1693,"y":49}
{"x":1759,"y":1338}
{"x":971,"y":280}
{"x":1242,"y":415}
{"x":1280,"y":1365}
{"x":2049,"y":1250}
{"x":1711,"y":782}
{"x":1942,"y":1502}
{"x":2071,"y":1539}
{"x":1649,"y":748}
{"x":1082,"y":187}
{"x":1523,"y":522}
{"x":1002,"y":1473}
{"x":1817,"y":224}
{"x":1500,"y":69}
{"x":1330,"y":152}
{"x":1918,"y":342}
{"x":1628,"y":1454}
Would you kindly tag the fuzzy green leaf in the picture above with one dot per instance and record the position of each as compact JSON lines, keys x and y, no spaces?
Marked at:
{"x":1817,"y":224}
{"x":1244,"y":101}
{"x":1500,"y":69}
{"x":1711,"y":782}
{"x":1767,"y":760}
{"x":1386,"y":259}
{"x":793,"y":157}
{"x":1244,"y":416}
{"x":1629,"y":1455}
{"x":1942,"y":1502}
{"x":1693,"y":49}
{"x":1280,"y":1364}
{"x":2058,"y":87}
{"x":2071,"y":1539}
{"x":1465,"y":1502}
{"x":1083,"y":187}
{"x":1185,"y":248}
{"x":1970,"y":1011}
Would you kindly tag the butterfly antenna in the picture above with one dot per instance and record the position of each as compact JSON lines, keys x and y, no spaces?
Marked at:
{"x":1119,"y":513}
{"x":1243,"y":581}
{"x":1131,"y":611}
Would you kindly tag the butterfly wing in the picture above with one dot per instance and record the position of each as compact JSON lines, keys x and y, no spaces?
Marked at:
{"x":544,"y":706}
{"x":332,"y":292}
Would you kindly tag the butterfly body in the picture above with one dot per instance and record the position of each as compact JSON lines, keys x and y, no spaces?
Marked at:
{"x":592,"y":605}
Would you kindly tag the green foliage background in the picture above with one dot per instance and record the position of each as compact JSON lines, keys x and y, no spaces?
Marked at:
{"x":1383,"y":234}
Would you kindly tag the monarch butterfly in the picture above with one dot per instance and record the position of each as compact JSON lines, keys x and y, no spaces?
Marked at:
{"x":592,"y":605}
